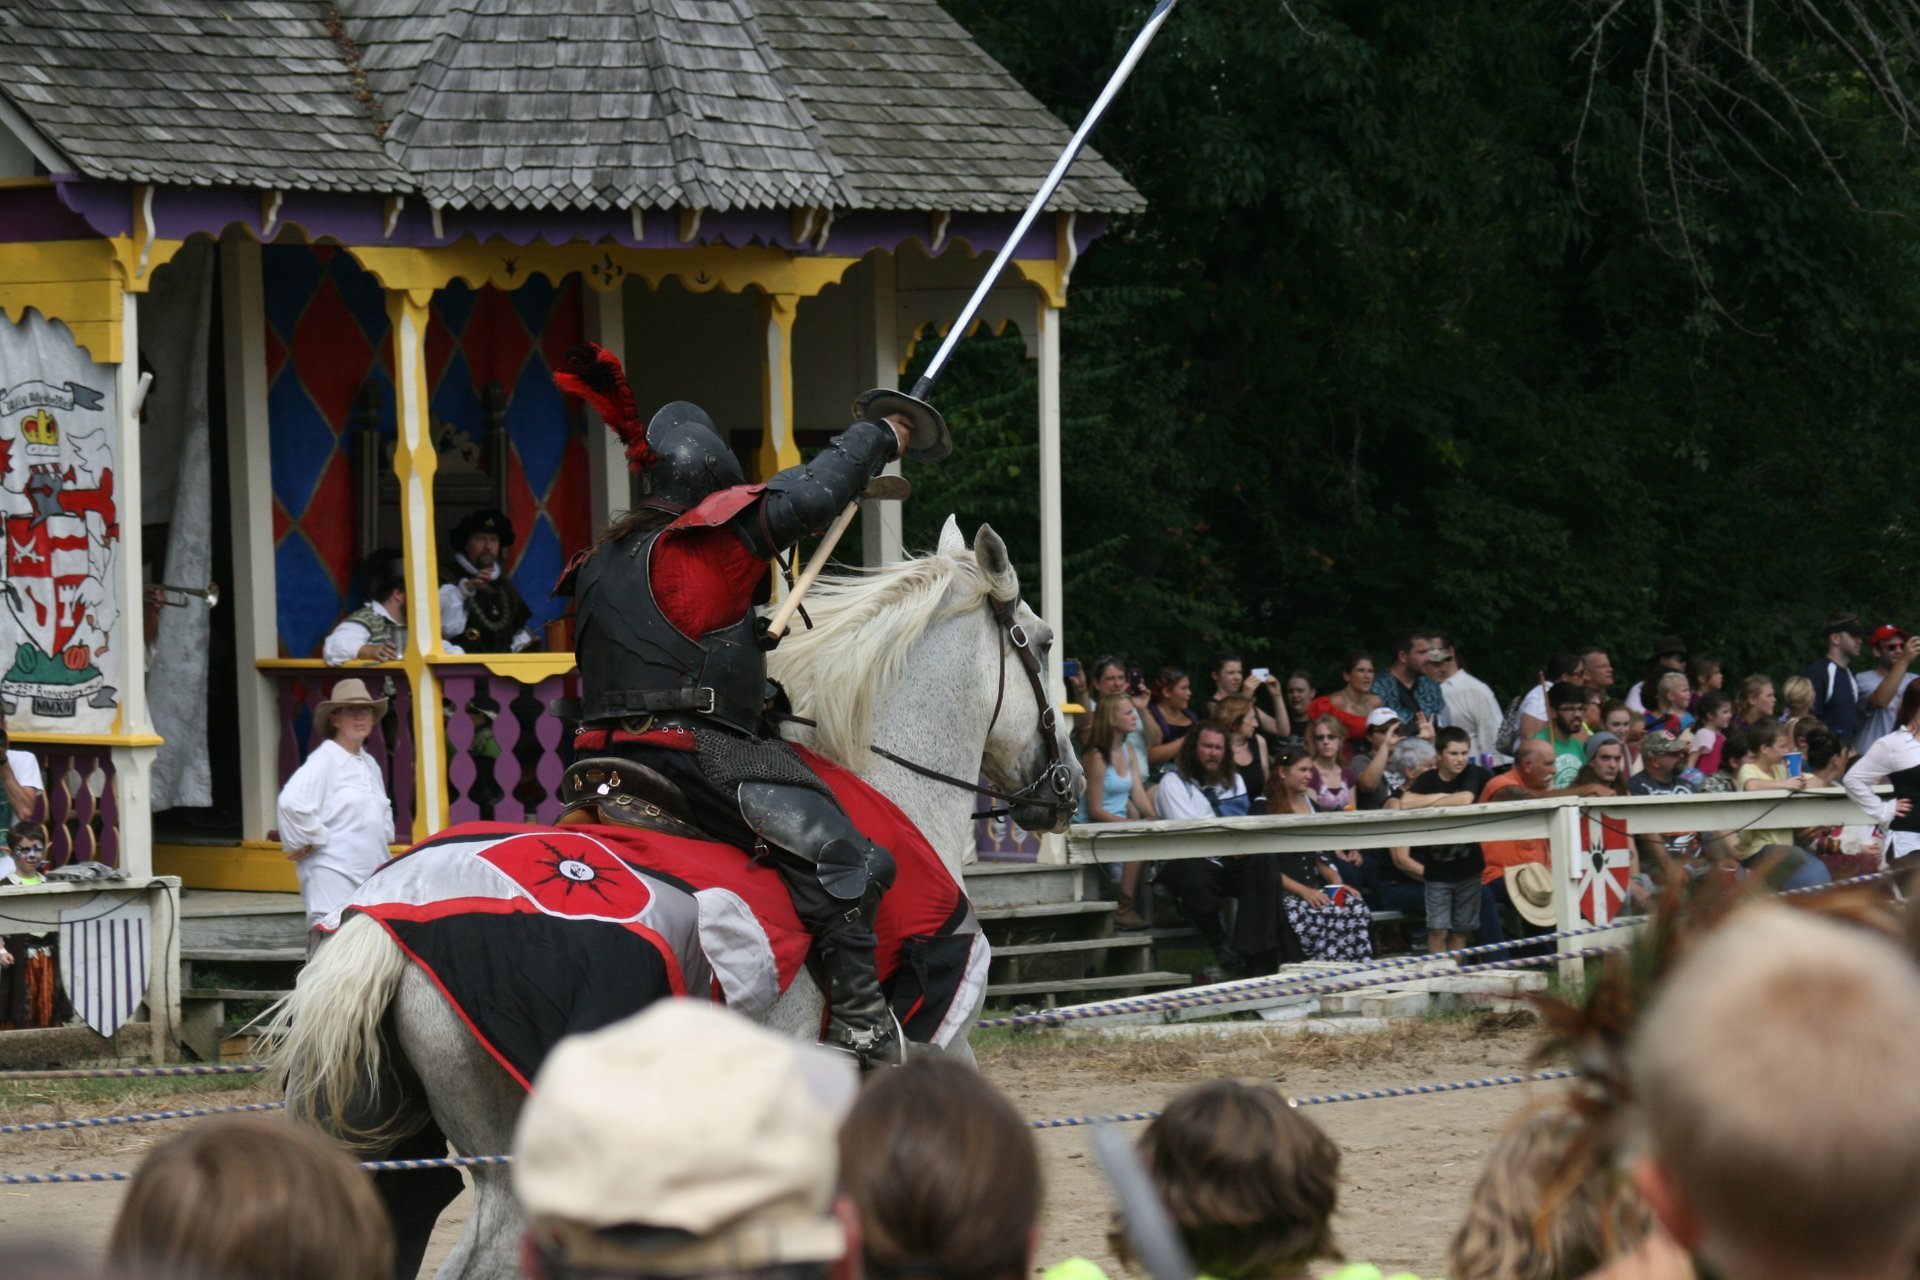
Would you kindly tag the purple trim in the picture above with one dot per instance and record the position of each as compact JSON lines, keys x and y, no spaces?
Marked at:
{"x":35,"y":213}
{"x":359,"y":219}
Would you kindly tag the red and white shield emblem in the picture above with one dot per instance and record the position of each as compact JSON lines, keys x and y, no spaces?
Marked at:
{"x":1601,"y":869}
{"x":46,"y":563}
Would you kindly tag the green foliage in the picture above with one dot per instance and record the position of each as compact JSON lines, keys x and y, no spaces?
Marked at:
{"x":1385,"y":349}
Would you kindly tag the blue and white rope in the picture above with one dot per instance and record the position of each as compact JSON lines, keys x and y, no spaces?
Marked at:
{"x":371,"y":1166}
{"x":141,"y":1117}
{"x":1322,"y":1099}
{"x":135,"y":1073}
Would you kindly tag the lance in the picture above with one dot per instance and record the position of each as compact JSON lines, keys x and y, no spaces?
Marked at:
{"x":929,"y":440}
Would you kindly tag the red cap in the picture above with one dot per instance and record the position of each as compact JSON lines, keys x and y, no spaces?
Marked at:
{"x":1885,"y":632}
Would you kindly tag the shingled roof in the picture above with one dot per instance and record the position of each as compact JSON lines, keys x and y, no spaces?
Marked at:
{"x":546,"y":104}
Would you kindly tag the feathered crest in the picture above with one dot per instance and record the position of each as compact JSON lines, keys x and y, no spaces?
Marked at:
{"x":592,"y":373}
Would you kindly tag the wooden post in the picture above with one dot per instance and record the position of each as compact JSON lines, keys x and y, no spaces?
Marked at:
{"x":1565,"y":845}
{"x":880,"y":536}
{"x":778,"y":449}
{"x":612,"y":483}
{"x":414,"y":462}
{"x":1053,"y":605}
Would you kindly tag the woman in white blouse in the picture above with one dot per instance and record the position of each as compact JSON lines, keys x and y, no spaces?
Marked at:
{"x":336,"y":822}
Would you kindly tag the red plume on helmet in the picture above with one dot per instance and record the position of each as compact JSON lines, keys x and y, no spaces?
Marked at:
{"x":592,"y":373}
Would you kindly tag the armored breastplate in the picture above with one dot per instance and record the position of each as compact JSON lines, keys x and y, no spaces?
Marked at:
{"x":634,"y":662}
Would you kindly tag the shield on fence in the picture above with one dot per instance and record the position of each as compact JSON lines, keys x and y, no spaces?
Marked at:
{"x":104,"y":961}
{"x":1601,"y":870}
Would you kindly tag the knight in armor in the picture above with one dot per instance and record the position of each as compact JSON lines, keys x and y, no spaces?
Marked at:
{"x":673,"y":671}
{"x":480,"y":612}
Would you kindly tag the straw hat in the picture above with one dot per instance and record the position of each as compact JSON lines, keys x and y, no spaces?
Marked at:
{"x":1530,"y":885}
{"x":351,"y":692}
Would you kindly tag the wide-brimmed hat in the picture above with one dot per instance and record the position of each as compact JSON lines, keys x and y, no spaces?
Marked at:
{"x":486,"y":520}
{"x":351,"y":692}
{"x":1530,"y":886}
{"x":687,"y":1119}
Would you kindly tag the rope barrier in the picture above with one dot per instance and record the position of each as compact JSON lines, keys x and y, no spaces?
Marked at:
{"x":1243,"y":989}
{"x":134,"y":1073}
{"x":142,"y":1117}
{"x":1319,"y":1100}
{"x":371,"y":1166}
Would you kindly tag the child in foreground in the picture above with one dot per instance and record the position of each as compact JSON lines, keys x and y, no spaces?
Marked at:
{"x":1249,"y":1183}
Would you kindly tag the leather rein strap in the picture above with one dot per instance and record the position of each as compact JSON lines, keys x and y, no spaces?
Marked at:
{"x":1056,"y":777}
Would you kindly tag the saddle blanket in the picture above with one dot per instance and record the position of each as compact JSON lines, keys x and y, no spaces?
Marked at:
{"x":534,"y":933}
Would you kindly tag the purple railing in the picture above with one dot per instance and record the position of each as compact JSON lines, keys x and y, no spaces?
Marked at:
{"x":504,"y":746}
{"x":82,"y":806}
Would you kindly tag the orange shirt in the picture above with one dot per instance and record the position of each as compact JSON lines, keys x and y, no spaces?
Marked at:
{"x":1501,"y":854}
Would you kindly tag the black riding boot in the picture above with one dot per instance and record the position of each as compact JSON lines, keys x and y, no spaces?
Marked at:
{"x":858,"y":1017}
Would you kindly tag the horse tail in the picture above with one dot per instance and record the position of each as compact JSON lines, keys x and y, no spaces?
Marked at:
{"x":326,"y":1037}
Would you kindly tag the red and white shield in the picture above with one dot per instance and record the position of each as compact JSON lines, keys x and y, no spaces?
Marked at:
{"x":1601,"y":870}
{"x":46,"y":563}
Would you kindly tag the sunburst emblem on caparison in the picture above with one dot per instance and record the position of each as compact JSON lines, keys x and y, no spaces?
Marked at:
{"x":573,"y":873}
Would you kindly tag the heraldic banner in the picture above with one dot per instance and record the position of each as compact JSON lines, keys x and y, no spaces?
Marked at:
{"x":62,"y":640}
{"x":104,"y":961}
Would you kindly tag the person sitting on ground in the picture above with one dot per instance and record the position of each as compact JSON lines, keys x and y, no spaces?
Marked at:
{"x":1353,"y":701}
{"x":943,"y":1175}
{"x":1827,"y":1186}
{"x":1201,"y":786}
{"x":1116,"y":789}
{"x":1756,"y":700}
{"x":376,"y":630}
{"x":1525,"y":1222}
{"x":1895,"y":760}
{"x":1331,"y":920}
{"x":686,"y":1141}
{"x":1168,"y":720}
{"x":1450,"y":872}
{"x":242,"y":1197}
{"x":1771,"y":849}
{"x":1566,"y":733}
{"x":1250,"y":1184}
{"x":1234,"y":715}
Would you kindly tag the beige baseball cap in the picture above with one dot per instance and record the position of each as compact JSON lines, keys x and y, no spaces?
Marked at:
{"x":715,"y":1137}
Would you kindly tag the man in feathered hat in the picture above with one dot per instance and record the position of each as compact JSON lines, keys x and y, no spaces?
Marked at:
{"x":480,"y":612}
{"x":674,"y":676}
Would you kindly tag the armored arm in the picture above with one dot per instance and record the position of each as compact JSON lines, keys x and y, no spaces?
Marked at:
{"x":805,"y":499}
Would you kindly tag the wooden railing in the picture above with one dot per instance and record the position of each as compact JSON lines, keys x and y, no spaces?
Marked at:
{"x":82,"y":804}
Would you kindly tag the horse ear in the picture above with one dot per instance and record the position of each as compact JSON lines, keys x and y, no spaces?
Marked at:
{"x":991,"y":553}
{"x":951,"y":539}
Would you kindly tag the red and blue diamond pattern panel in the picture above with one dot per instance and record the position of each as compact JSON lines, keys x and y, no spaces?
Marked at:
{"x":327,"y":338}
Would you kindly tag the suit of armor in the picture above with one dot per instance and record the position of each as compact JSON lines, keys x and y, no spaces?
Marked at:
{"x":674,"y":677}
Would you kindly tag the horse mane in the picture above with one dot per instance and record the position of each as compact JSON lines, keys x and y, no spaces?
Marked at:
{"x":865,"y":622}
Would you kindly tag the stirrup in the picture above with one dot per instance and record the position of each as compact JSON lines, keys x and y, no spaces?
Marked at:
{"x":870,"y":1047}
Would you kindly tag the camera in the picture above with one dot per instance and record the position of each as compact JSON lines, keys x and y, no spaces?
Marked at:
{"x":1070,"y":669}
{"x":1136,"y":681}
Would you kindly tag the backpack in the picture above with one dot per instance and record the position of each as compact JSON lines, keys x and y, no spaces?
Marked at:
{"x":1507,"y":740}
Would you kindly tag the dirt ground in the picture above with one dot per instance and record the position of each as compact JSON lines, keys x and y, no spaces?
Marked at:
{"x":1408,"y":1164}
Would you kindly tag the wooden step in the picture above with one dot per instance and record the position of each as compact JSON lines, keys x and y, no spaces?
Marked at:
{"x":231,"y":993}
{"x":1117,"y":982}
{"x":1038,"y":911}
{"x":245,"y":955}
{"x":1117,"y":942}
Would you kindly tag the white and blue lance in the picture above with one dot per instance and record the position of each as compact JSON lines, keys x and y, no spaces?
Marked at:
{"x":929,"y":440}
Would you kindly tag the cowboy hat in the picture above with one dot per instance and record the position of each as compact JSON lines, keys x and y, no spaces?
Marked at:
{"x":1530,"y":886}
{"x":351,"y":692}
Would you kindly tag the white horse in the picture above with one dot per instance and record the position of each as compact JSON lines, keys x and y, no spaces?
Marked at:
{"x":912,"y":658}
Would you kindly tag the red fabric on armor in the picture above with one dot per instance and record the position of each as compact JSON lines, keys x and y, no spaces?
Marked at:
{"x":702,"y":572}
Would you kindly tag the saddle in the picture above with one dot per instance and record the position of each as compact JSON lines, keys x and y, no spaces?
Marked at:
{"x":624,"y":793}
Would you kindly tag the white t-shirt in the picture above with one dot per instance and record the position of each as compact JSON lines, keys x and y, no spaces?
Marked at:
{"x":26,"y":771}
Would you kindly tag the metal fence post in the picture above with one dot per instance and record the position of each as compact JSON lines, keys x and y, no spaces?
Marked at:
{"x":1563,"y":843}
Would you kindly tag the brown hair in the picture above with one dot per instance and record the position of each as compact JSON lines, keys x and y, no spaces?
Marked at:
{"x":1765,"y":733}
{"x":1533,"y":1217}
{"x":1187,"y":762}
{"x":1229,"y":711}
{"x":247,"y":1198}
{"x":1103,"y":727}
{"x":1249,"y":1181}
{"x":943,"y":1172}
{"x":1749,"y":690}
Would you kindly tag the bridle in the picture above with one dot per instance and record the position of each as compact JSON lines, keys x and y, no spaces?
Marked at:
{"x":1056,"y":780}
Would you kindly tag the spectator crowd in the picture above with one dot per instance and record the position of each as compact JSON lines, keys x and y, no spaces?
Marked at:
{"x":1412,"y":728}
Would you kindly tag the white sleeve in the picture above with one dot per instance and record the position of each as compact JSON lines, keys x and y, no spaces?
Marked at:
{"x":521,"y":639}
{"x":1181,"y":799}
{"x":1535,"y":703}
{"x":298,"y":815}
{"x":343,"y":642}
{"x":1871,"y":769}
{"x":453,"y":611}
{"x":26,"y":769}
{"x":1635,"y":703}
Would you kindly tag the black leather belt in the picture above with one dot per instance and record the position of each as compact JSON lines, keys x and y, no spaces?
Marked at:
{"x":641,"y":701}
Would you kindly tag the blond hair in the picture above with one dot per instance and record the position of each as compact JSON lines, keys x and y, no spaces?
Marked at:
{"x":1796,"y":695}
{"x":1774,"y":1078}
{"x":244,"y":1196}
{"x":1535,"y":1215}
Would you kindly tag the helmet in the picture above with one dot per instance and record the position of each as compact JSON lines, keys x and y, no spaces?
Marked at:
{"x":690,"y":459}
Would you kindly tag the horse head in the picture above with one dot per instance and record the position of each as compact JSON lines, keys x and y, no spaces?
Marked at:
{"x":1028,"y":753}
